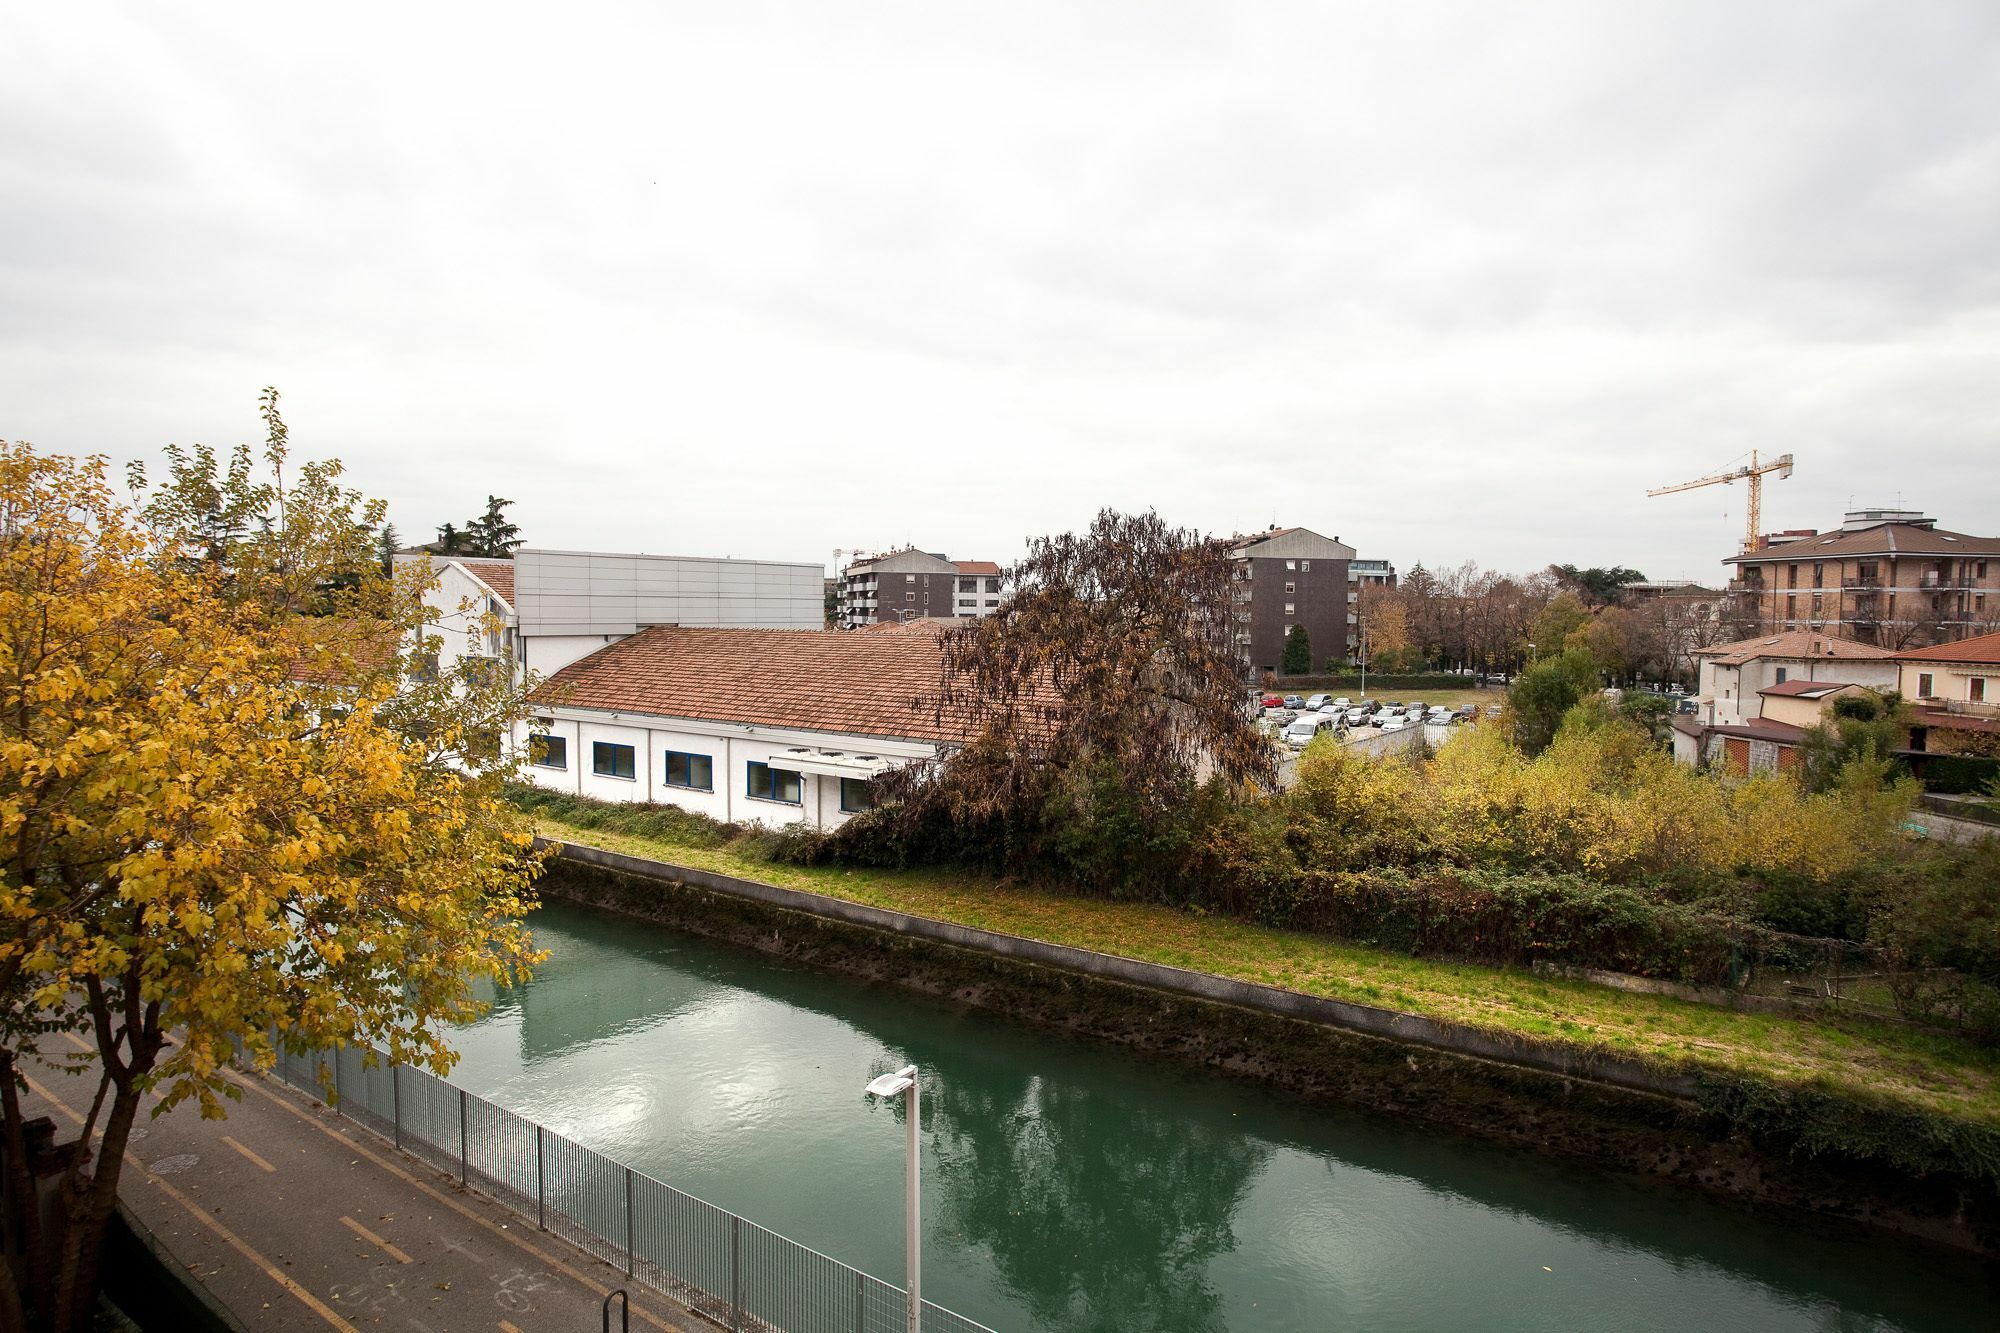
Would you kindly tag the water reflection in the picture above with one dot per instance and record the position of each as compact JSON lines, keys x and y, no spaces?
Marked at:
{"x":1074,"y":1186}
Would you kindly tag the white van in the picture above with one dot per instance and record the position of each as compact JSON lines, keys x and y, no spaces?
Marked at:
{"x":1299,"y":733}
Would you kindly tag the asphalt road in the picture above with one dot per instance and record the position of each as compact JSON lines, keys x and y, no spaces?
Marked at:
{"x":296,"y":1219}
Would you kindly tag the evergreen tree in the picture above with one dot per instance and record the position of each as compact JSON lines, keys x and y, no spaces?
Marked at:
{"x":450,"y":541}
{"x":387,"y":543}
{"x":491,"y":534}
{"x":1298,"y":657}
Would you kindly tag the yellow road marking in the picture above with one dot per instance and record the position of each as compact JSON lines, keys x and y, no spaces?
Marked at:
{"x":366,"y":1234}
{"x":353,"y":1145}
{"x":200,"y":1215}
{"x":247,"y":1153}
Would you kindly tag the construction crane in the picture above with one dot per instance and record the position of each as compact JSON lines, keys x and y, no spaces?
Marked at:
{"x":1754,"y":473}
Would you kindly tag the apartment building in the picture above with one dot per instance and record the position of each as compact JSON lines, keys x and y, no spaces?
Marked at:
{"x":912,"y":584}
{"x":1889,"y":577}
{"x":1735,"y":676}
{"x":1954,"y":692}
{"x":1294,"y":576}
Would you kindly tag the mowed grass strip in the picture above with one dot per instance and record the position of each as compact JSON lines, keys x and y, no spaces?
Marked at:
{"x":1855,"y":1057}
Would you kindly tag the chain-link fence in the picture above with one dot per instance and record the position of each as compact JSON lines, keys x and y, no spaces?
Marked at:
{"x":719,"y":1265}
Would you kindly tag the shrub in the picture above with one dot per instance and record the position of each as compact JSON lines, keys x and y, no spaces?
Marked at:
{"x":1938,"y":930}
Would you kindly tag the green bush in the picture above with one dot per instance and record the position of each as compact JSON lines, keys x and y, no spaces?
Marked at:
{"x":1937,"y":927}
{"x":665,"y":822}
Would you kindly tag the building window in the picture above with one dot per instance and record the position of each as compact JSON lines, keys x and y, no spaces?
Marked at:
{"x":968,"y":585}
{"x":993,"y":585}
{"x":1781,"y":675}
{"x":1980,"y":570}
{"x":1975,"y":689}
{"x":612,"y":761}
{"x":909,"y":578}
{"x":1291,"y":587}
{"x":909,"y":597}
{"x":776,"y":784}
{"x":855,"y":796}
{"x":546,"y":751}
{"x":968,"y":601}
{"x":1925,"y":686}
{"x":1291,"y":564}
{"x":1819,"y":574}
{"x":1305,"y":565}
{"x":993,"y":601}
{"x":693,"y":771}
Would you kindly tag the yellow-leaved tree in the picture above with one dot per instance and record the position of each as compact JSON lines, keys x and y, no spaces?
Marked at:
{"x":222,"y":815}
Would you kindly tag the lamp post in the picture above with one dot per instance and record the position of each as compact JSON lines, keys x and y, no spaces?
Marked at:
{"x":903,"y":1081}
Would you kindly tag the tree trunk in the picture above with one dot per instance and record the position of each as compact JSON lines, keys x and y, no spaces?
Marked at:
{"x":91,"y":1203}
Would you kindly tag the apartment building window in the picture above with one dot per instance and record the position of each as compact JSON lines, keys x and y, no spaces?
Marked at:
{"x":1291,"y":587}
{"x":1791,"y":576}
{"x":909,"y":597}
{"x":855,"y":796}
{"x":776,"y":784}
{"x":993,"y":601}
{"x":696,"y":772}
{"x":1781,"y":675}
{"x":1305,"y":566}
{"x":1979,"y":570}
{"x":993,"y":585}
{"x":968,"y":601}
{"x":546,"y":751}
{"x":612,"y":761}
{"x":1926,"y":686}
{"x":968,"y":585}
{"x":909,"y":578}
{"x":1819,"y":574}
{"x":1291,"y":564}
{"x":1290,"y":609}
{"x":1975,"y":689}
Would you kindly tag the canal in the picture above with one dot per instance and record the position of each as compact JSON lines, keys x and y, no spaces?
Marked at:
{"x":1071,"y":1186}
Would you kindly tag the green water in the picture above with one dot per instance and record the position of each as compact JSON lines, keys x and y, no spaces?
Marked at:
{"x":1069,"y":1186}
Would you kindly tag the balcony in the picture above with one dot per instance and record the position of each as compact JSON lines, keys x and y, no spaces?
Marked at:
{"x":1751,"y":587}
{"x":1869,"y":584}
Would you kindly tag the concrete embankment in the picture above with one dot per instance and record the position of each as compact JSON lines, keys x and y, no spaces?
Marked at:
{"x":1554,"y":1098}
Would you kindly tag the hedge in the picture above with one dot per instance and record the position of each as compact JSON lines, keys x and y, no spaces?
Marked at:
{"x":1512,"y":919}
{"x":1959,"y":774}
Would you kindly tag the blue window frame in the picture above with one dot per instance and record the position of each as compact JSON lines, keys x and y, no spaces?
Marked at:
{"x":776,"y":784}
{"x":693,"y":771}
{"x":613,"y":761}
{"x":546,"y":751}
{"x":855,"y":795}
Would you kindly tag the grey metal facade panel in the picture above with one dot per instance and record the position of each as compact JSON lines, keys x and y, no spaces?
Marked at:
{"x":568,"y":592}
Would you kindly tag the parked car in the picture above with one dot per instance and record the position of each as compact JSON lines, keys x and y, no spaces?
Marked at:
{"x":1343,"y":702}
{"x":1387,"y":711}
{"x":1687,"y":707}
{"x":1300,"y":732}
{"x":1467,"y":712}
{"x":1370,"y":706}
{"x":1281,"y":715}
{"x":1440,"y":715}
{"x":1676,"y":689}
{"x":1393,"y":724}
{"x":1356,"y":717}
{"x":1493,"y":710}
{"x":1318,"y":701}
{"x":1295,"y":701}
{"x":1273,"y":701}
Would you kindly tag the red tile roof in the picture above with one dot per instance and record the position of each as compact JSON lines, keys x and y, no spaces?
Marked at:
{"x":810,"y":680}
{"x":1797,"y":643}
{"x":1983,"y":648}
{"x":495,"y":574}
{"x":986,"y":567}
{"x":1938,"y":717}
{"x":1808,"y":689}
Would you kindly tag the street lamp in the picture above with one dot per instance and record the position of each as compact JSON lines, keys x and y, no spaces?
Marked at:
{"x":904,"y":1080}
{"x":1531,"y":654}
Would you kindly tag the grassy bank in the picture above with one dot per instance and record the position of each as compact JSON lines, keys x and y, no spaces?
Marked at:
{"x":1856,"y":1059}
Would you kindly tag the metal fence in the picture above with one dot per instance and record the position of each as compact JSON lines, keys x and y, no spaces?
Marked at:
{"x":723,"y":1267}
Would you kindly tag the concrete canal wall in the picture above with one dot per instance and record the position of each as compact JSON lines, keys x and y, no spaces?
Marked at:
{"x":1553,"y":1098}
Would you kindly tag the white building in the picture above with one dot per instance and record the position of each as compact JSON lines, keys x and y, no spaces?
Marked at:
{"x":545,"y":609}
{"x":1733,"y":675}
{"x":746,"y":726}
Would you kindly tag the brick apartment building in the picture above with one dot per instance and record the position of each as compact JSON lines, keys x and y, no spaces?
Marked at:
{"x":913,"y":584}
{"x":1294,"y":576}
{"x":1887,"y":577}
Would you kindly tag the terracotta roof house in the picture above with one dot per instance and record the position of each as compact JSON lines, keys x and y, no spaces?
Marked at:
{"x":746,"y":726}
{"x":1954,"y":690}
{"x":1733,"y":675}
{"x":1890,"y":577}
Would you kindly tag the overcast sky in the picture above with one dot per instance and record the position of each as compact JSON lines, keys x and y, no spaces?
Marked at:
{"x":1446,"y":281}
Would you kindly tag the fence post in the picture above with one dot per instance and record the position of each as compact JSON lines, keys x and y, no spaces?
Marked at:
{"x":735,"y":1274}
{"x":541,"y":1191}
{"x":628,"y":1221}
{"x":336,"y":1080}
{"x":463,"y":1152}
{"x":396,"y":1097}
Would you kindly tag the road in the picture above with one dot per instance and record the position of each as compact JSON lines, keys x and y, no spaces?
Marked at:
{"x":294,"y":1218}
